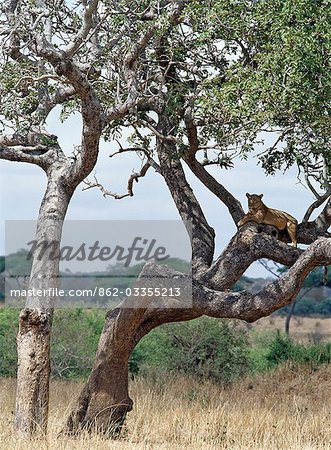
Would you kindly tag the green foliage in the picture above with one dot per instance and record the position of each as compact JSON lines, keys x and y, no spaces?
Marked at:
{"x":8,"y":331}
{"x":221,"y":350}
{"x":278,"y":78}
{"x":207,"y":348}
{"x":75,"y":339}
{"x":282,"y":348}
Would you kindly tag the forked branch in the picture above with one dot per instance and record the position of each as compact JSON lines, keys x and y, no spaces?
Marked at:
{"x":134,"y":177}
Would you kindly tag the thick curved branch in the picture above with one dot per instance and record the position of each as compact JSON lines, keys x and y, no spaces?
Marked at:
{"x":252,"y":242}
{"x":86,"y":27}
{"x":250,"y":307}
{"x":239,"y":305}
{"x":34,"y":148}
{"x":24,"y":154}
{"x":48,"y":103}
{"x":91,"y":109}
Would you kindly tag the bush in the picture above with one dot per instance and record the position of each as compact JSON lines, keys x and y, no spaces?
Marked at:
{"x":204,"y":347}
{"x":207,"y":348}
{"x":8,"y":332}
{"x":75,"y":338}
{"x":282,"y":348}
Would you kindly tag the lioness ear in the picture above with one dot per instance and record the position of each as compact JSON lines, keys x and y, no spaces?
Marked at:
{"x":248,"y":195}
{"x":261,"y":195}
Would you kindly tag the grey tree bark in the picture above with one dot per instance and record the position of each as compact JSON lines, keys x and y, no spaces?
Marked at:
{"x":33,"y":339}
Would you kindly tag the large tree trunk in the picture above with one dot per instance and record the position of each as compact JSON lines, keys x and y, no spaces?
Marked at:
{"x":104,"y":401}
{"x":33,"y":340}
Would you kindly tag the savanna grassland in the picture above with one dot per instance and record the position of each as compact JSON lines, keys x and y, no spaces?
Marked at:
{"x":302,"y":329}
{"x":288,"y":408}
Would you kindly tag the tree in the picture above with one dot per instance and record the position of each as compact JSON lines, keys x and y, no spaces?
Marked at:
{"x":54,"y":53}
{"x":183,"y":91}
{"x":206,"y":99}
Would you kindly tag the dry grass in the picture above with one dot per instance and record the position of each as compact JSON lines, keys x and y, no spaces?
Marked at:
{"x":288,"y":409}
{"x":302,"y":329}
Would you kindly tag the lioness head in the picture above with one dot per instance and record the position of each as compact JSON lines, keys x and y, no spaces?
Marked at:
{"x":254,"y":200}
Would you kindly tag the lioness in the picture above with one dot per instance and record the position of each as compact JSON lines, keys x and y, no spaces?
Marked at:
{"x":260,"y":213}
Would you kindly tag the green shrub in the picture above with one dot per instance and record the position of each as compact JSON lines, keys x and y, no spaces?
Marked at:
{"x":282,"y":348}
{"x":75,"y":338}
{"x":207,"y":348}
{"x":8,"y":332}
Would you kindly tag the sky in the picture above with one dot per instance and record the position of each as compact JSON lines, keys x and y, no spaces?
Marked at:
{"x":22,"y":187}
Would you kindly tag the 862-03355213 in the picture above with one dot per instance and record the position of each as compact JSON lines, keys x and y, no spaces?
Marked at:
{"x":139,"y":292}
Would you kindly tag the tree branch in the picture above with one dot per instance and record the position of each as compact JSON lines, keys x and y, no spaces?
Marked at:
{"x":310,"y":231}
{"x":201,"y":234}
{"x":233,"y":205}
{"x":323,"y":221}
{"x":87,"y":25}
{"x":133,"y":177}
{"x":251,"y":242}
{"x":239,"y":305}
{"x":28,"y":154}
{"x":315,"y":205}
{"x":33,"y":148}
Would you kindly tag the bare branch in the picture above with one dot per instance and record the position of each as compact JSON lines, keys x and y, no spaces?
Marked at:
{"x":148,"y":125}
{"x":105,"y":192}
{"x":233,"y":205}
{"x":316,"y":204}
{"x":38,"y":79}
{"x":87,"y":25}
{"x":150,"y":160}
{"x":311,"y":187}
